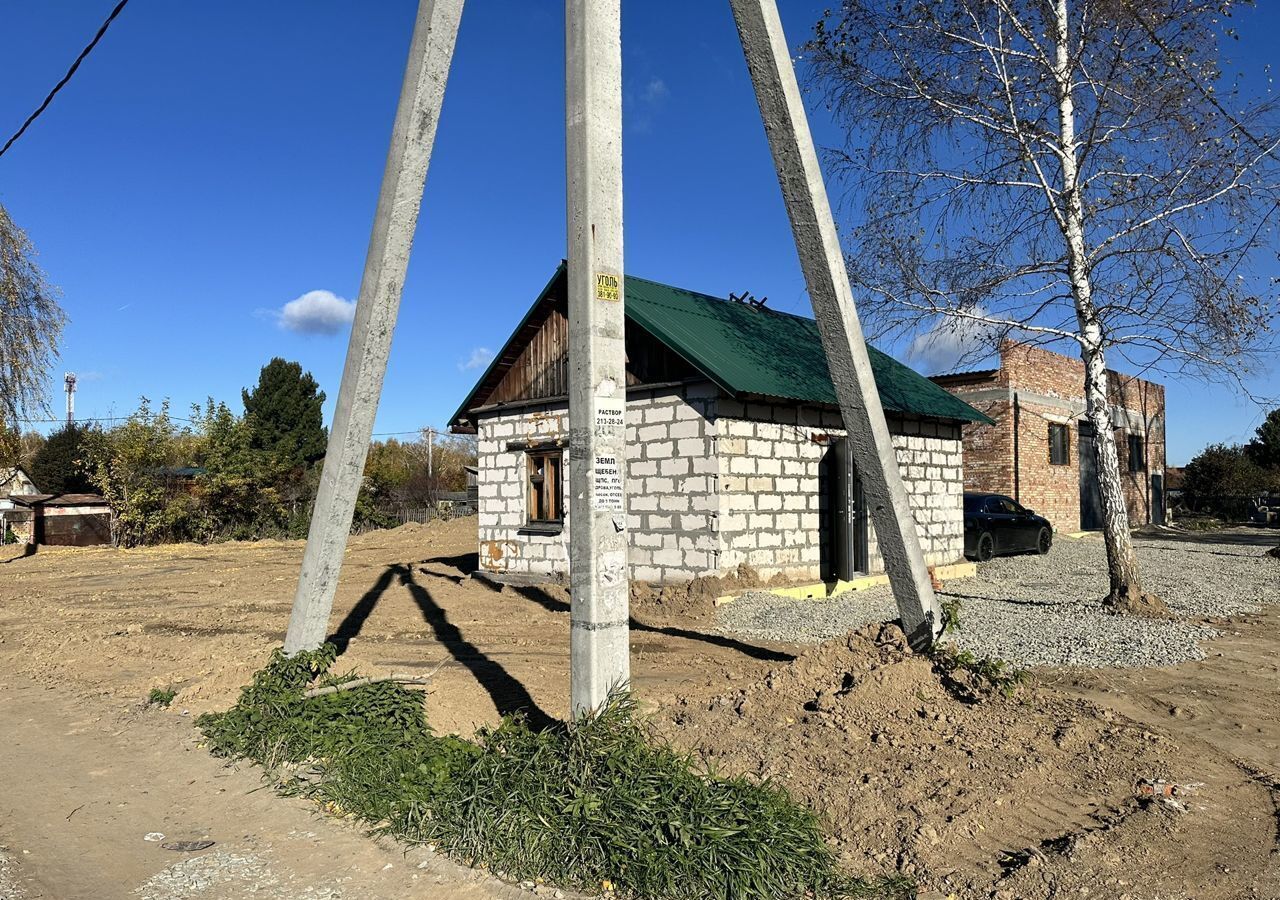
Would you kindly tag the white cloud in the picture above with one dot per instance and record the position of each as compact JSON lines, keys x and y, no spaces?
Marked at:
{"x":479,"y":358}
{"x":656,"y":91}
{"x":949,"y":343}
{"x":651,"y":101}
{"x":317,"y":312}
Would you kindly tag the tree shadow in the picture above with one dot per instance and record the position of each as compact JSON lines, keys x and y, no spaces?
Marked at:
{"x":547,"y":602}
{"x":1260,"y":536}
{"x":509,"y":695}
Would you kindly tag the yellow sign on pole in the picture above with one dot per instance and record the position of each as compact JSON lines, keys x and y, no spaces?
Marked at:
{"x":608,"y":287}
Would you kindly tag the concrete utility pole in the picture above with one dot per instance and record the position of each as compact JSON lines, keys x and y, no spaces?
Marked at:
{"x":805,"y":194}
{"x":421,"y":97}
{"x":599,"y":649}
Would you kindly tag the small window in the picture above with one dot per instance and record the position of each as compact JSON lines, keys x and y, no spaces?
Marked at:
{"x":1137,"y":454}
{"x":545,"y":467}
{"x":1059,"y":445}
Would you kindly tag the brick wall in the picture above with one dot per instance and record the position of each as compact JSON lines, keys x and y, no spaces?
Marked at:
{"x":1049,"y":389}
{"x":1144,"y":415}
{"x":671,"y":475}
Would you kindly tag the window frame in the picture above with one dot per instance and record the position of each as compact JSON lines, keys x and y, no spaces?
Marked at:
{"x":1066,"y":444}
{"x":1138,"y":456}
{"x":539,"y":496}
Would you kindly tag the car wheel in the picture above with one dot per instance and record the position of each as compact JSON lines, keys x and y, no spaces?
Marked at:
{"x":1044,"y":541}
{"x":986,"y":546}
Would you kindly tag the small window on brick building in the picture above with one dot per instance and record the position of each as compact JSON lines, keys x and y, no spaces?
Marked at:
{"x":1137,"y":454}
{"x":1059,"y":445}
{"x":545,"y":467}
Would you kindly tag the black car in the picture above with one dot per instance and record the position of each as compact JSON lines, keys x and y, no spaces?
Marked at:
{"x":994,"y":524}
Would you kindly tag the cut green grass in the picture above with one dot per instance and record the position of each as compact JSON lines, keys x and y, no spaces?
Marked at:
{"x":593,"y":804}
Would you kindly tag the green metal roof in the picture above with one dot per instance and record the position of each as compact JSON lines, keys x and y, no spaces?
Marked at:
{"x":746,"y":351}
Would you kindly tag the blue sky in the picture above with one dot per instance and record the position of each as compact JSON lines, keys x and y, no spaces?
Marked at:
{"x":211,"y":162}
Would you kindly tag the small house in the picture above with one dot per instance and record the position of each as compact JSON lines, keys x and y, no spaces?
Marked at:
{"x":69,"y":520}
{"x":1039,"y":447}
{"x":736,"y":449}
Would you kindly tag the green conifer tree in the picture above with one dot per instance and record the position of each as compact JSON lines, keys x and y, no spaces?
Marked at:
{"x":284,"y":415}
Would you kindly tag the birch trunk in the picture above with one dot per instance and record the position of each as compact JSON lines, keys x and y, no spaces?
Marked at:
{"x":1126,"y":593}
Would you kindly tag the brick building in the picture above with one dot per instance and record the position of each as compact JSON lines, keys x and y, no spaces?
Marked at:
{"x":1032,"y":452}
{"x":736,"y":452}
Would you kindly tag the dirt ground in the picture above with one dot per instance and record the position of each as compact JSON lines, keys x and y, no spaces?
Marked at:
{"x":1033,"y":797}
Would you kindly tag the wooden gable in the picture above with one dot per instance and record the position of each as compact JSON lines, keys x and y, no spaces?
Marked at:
{"x":539,"y":370}
{"x":535,"y":366}
{"x":534,"y":363}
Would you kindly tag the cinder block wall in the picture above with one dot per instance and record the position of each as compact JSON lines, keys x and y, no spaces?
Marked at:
{"x":711,"y":483}
{"x":771,"y":500}
{"x":670,"y":485}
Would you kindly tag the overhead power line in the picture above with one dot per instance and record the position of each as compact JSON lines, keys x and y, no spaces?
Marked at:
{"x":65,"y":78}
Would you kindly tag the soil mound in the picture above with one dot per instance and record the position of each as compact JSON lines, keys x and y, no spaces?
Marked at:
{"x":696,"y":599}
{"x":914,"y":778}
{"x":693,"y":599}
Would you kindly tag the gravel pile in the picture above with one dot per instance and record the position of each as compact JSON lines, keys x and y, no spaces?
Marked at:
{"x":1034,"y":610}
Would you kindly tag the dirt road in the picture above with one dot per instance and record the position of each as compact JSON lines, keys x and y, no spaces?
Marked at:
{"x":84,"y":784}
{"x":1032,"y":798}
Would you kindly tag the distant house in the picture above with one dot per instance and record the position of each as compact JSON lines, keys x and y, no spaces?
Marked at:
{"x":1039,"y":449}
{"x":15,"y":524}
{"x":737,"y":453}
{"x":69,"y":520}
{"x":15,"y":480}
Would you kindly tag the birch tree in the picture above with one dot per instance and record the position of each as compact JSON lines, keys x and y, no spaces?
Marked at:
{"x":1075,"y":173}
{"x":30,"y":325}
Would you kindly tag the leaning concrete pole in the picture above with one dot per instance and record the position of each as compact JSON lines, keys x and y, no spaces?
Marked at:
{"x":421,"y":97}
{"x":805,"y":196}
{"x":599,"y":651}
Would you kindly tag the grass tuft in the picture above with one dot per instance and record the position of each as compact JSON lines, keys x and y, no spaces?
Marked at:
{"x":161,"y":697}
{"x":599,"y":802}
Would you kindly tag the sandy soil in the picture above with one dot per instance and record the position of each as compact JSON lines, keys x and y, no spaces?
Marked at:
{"x":1034,"y":797}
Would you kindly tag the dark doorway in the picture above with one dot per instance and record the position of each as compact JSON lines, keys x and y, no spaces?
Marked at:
{"x":1157,"y":499}
{"x":1090,"y":495}
{"x":843,"y":523}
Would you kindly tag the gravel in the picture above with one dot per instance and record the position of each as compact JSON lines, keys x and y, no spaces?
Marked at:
{"x":1046,"y":610}
{"x":9,"y":889}
{"x":222,"y":873}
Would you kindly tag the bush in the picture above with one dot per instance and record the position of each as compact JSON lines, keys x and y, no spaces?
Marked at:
{"x":595,"y":803}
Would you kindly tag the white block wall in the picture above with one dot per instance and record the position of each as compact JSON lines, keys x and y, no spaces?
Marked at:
{"x":771,"y":507}
{"x":671,"y":507}
{"x":712,"y":483}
